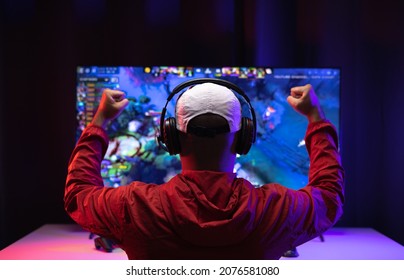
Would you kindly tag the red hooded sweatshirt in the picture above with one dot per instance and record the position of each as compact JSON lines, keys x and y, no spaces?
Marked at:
{"x":205,"y":214}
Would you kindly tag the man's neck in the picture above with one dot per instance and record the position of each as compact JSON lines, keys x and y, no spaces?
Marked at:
{"x":224,"y":165}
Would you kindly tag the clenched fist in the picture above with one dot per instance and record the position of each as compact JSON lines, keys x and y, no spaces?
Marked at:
{"x":112,"y":104}
{"x":304,"y":100}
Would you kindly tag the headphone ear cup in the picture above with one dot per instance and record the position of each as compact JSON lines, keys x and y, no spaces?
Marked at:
{"x":170,"y":136}
{"x":246,"y":136}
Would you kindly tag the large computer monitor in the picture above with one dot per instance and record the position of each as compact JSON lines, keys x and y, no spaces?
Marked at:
{"x":278,"y":155}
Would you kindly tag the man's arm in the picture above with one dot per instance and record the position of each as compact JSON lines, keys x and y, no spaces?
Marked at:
{"x":318,"y":206}
{"x":326,"y":174}
{"x":86,"y":200}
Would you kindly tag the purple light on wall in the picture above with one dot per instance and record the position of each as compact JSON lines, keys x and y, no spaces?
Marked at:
{"x":223,"y":13}
{"x":274,"y":33}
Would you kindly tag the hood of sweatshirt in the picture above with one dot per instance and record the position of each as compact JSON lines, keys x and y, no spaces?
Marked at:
{"x":209,"y":208}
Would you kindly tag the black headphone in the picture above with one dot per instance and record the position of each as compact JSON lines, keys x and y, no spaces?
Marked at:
{"x":169,"y":139}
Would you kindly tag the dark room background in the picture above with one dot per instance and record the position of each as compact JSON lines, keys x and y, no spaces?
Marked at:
{"x":42,"y":42}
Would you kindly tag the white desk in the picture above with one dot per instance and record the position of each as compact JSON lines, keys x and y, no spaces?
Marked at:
{"x":70,"y":242}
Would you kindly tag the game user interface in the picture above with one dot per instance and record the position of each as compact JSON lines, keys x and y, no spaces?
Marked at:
{"x":279,"y":154}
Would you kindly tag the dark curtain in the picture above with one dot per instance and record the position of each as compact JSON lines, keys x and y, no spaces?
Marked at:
{"x":42,"y":42}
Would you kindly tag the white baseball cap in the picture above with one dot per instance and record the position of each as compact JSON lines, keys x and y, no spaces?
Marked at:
{"x":208,"y":98}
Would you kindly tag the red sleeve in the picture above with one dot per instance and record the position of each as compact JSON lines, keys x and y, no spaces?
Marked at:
{"x":93,"y":206}
{"x":318,"y":206}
